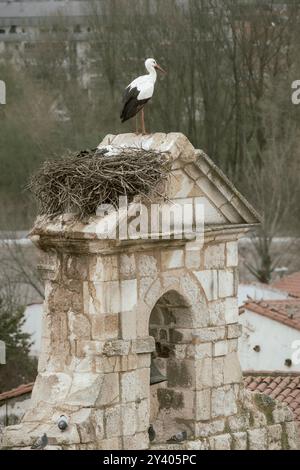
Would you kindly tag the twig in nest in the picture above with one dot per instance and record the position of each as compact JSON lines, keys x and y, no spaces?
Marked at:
{"x":81,"y":182}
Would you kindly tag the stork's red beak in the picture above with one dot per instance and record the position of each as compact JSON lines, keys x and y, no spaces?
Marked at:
{"x":158,"y":67}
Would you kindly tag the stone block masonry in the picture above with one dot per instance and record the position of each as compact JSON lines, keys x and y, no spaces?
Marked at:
{"x":112,"y":307}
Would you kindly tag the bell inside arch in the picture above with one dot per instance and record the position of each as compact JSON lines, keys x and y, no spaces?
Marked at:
{"x":156,"y":377}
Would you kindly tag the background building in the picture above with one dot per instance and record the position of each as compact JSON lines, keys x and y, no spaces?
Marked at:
{"x":24,"y":23}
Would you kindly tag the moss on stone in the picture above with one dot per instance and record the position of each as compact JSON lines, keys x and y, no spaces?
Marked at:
{"x":169,"y":399}
{"x":265,"y":404}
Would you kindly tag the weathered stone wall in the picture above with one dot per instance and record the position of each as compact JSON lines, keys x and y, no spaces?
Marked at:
{"x":95,"y":362}
{"x":260,"y":423}
{"x":96,"y":348}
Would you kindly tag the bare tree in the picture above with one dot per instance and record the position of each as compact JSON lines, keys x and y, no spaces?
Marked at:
{"x":274,"y":186}
{"x":18,"y":269}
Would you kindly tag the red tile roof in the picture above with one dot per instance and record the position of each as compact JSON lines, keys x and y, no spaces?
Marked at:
{"x":289,"y":284}
{"x":284,"y":311}
{"x":17,"y":392}
{"x":282,"y":387}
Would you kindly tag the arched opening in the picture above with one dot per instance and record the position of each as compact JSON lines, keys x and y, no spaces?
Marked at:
{"x":172,"y":402}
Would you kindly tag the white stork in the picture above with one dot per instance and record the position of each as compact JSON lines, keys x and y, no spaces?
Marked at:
{"x":139,"y":92}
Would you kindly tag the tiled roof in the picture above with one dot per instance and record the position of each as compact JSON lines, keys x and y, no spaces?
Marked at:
{"x":289,"y":284}
{"x":281,"y":387}
{"x":17,"y":392}
{"x":284,"y":311}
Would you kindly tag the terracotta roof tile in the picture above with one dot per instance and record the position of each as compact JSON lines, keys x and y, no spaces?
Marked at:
{"x":252,"y":387}
{"x":262,"y":387}
{"x":16,"y":392}
{"x":288,"y":400}
{"x":277,"y":391}
{"x":268,"y":380}
{"x":285,"y":393}
{"x":283,"y":311}
{"x":289,"y":284}
{"x":272,"y":386}
{"x":280,"y":386}
{"x":278,"y":380}
{"x":294,"y":405}
{"x":247,"y":380}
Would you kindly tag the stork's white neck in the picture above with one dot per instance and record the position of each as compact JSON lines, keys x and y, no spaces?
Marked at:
{"x":152,"y":72}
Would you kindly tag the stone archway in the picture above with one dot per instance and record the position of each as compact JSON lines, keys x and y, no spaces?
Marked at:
{"x":172,"y":403}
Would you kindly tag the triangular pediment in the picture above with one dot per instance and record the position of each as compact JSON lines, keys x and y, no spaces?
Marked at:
{"x":193,"y":175}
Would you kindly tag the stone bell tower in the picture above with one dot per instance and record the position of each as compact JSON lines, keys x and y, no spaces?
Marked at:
{"x":112,"y":306}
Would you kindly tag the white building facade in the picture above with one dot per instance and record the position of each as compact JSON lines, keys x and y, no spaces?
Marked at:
{"x":268,"y":343}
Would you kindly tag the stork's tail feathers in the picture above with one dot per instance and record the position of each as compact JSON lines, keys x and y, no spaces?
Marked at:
{"x":123,"y":117}
{"x":131,"y":108}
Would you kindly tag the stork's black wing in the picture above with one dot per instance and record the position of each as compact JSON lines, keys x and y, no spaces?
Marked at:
{"x":131,"y":104}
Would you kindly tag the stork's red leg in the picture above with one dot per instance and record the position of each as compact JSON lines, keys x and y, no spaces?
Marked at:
{"x":136,"y":125}
{"x":143,"y":122}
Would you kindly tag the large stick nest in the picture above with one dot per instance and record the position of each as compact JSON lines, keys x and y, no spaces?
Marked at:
{"x":80,"y":183}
